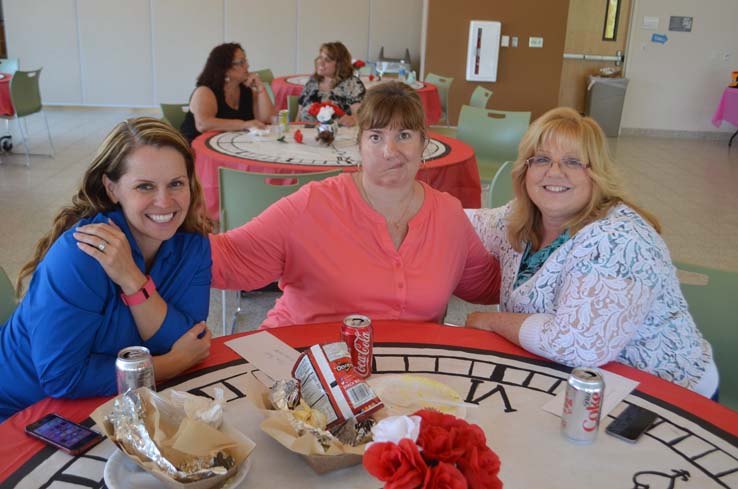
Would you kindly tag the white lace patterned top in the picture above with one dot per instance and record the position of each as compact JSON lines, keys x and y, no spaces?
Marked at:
{"x":608,"y":293}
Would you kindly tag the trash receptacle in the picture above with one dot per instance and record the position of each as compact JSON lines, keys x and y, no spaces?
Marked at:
{"x":605,"y":98}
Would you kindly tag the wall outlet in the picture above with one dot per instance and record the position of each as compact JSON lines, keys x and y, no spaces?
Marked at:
{"x":505,"y":41}
{"x":535,"y":42}
{"x":514,"y":41}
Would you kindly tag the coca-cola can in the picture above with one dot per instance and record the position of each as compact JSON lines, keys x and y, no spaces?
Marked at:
{"x":356,"y":332}
{"x":134,"y":368}
{"x":585,"y":392}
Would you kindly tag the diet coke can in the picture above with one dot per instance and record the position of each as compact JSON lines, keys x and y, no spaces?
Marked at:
{"x":134,"y":368}
{"x":585,"y":392}
{"x":356,"y":332}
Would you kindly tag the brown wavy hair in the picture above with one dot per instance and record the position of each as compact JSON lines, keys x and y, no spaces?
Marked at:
{"x":391,"y":104}
{"x":219,"y":61}
{"x":111,"y":160}
{"x":340,"y":54}
{"x":565,"y":124}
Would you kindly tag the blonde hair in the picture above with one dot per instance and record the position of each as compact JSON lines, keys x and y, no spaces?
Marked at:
{"x":111,"y":160}
{"x":391,"y":104}
{"x":566,"y":125}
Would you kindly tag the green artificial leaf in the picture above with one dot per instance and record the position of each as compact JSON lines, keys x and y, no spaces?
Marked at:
{"x":281,"y":139}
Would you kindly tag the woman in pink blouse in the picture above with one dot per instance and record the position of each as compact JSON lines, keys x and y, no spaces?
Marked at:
{"x":375,"y":242}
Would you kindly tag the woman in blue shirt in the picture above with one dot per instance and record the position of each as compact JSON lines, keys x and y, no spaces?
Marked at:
{"x":128,"y":263}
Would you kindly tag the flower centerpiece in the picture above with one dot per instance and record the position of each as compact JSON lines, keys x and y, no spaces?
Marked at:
{"x":357,"y":64}
{"x":327,"y":114}
{"x":431,"y":450}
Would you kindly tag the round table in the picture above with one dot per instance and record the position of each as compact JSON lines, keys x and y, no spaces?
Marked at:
{"x":450,"y":164}
{"x":6,"y":104}
{"x":692,"y":434}
{"x":293,"y":84}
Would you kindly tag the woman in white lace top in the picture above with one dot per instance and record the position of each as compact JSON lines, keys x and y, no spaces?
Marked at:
{"x":586,"y":278}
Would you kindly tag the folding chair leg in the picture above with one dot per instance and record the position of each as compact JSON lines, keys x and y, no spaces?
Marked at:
{"x":236,"y":313}
{"x":25,"y":143}
{"x":224,"y":315}
{"x":48,"y":133}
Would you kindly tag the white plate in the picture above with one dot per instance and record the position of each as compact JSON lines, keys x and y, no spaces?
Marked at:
{"x":404,"y":394}
{"x":122,"y":473}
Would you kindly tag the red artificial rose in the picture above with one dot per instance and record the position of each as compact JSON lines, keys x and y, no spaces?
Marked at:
{"x":470,"y":436}
{"x":371,"y":77}
{"x":298,"y":136}
{"x":480,"y":467}
{"x":432,"y":417}
{"x":440,"y":444}
{"x":359,"y":64}
{"x":399,"y":466}
{"x":444,"y":476}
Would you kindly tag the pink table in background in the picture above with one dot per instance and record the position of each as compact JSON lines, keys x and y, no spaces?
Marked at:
{"x":450,"y":164}
{"x":293,"y":85}
{"x":727,"y":110}
{"x":6,"y":105}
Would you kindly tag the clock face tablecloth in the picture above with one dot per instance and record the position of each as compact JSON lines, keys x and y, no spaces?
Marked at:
{"x":692,"y":444}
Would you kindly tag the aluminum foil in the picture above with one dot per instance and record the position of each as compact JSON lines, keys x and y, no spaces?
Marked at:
{"x":285,"y":394}
{"x":354,"y":432}
{"x":128,"y":418}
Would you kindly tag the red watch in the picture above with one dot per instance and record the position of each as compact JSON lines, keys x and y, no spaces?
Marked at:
{"x":142,"y":295}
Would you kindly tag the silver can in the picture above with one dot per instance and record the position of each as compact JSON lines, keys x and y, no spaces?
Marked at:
{"x":134,"y":368}
{"x":585,"y":392}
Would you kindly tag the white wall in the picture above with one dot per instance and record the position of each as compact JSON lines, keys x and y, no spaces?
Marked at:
{"x":676,"y":86}
{"x":138,"y":53}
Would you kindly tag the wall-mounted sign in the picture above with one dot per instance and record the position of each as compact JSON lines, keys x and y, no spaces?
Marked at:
{"x":659,"y":38}
{"x":681,"y":24}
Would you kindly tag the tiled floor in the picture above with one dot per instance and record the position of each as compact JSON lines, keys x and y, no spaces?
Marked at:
{"x":689,"y":184}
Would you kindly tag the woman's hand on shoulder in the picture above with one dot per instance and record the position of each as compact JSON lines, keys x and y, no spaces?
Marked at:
{"x":108,"y":244}
{"x":192,"y":347}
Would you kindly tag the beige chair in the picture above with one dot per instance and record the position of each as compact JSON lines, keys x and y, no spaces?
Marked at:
{"x":174,"y":114}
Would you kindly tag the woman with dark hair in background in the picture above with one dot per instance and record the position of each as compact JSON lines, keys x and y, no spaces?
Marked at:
{"x":228,"y":97}
{"x":126,"y":264}
{"x":333,"y":81}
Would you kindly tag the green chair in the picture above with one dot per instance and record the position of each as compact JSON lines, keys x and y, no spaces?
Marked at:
{"x":494,"y":135}
{"x":9,"y":65}
{"x":174,"y":114}
{"x":266,"y":75}
{"x":443,"y":83}
{"x":26,"y":98}
{"x":714,"y":307}
{"x":7,"y":297}
{"x":480,"y":96}
{"x":501,"y":191}
{"x":292,"y":107}
{"x":244,"y":195}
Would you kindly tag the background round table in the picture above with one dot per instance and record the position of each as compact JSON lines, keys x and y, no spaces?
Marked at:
{"x":692,"y":433}
{"x":450,"y":164}
{"x":293,"y":85}
{"x":6,"y":105}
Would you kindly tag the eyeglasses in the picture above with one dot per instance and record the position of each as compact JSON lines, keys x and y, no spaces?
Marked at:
{"x":240,"y":62}
{"x":544,"y":162}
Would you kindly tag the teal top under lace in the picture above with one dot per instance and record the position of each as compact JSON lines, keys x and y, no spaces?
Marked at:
{"x":532,"y":262}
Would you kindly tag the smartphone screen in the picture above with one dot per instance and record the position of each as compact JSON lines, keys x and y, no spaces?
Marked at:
{"x":66,"y":435}
{"x":631,"y":423}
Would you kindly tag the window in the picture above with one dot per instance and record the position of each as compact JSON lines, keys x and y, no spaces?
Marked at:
{"x":612,"y":14}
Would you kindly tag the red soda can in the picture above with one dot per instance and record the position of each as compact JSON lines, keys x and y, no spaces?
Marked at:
{"x":585,"y":392}
{"x":356,"y":332}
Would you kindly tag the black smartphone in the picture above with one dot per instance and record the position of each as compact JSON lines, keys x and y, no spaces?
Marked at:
{"x":631,"y":423}
{"x":66,"y":435}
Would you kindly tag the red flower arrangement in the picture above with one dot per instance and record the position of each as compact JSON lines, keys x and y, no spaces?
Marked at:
{"x":447,"y":452}
{"x":325,"y":112}
{"x":358,"y":64}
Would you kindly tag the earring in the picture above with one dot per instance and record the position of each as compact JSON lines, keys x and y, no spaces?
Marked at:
{"x":227,"y":78}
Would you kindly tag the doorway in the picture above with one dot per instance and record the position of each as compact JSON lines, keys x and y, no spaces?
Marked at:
{"x":586,"y":30}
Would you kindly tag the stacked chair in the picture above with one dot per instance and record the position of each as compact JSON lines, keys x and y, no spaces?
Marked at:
{"x":244,"y":195}
{"x":174,"y":114}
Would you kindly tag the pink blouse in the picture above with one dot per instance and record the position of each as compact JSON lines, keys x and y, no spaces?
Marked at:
{"x":335,"y":257}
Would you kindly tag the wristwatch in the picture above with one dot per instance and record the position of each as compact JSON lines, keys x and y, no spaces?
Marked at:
{"x":142,"y":295}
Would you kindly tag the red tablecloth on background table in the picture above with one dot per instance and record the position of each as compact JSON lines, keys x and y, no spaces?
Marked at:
{"x":455,"y":172}
{"x":6,"y":105}
{"x":282,"y":88}
{"x":488,"y":361}
{"x":727,"y":110}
